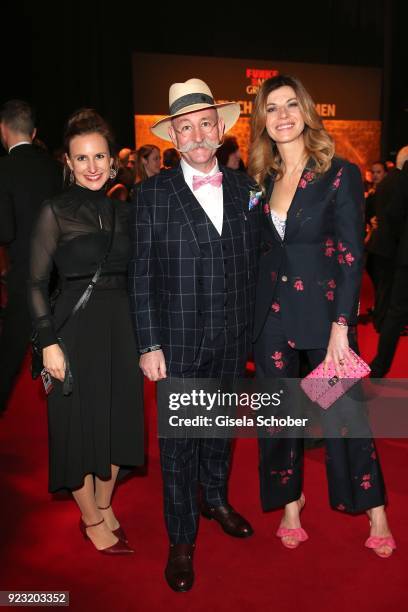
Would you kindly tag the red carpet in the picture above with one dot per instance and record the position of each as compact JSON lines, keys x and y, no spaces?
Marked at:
{"x":41,"y":547}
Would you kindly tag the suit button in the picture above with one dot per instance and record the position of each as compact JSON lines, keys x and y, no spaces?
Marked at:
{"x":284,"y":279}
{"x":200,"y":313}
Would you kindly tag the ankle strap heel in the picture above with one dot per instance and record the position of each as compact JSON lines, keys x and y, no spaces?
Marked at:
{"x":83,"y":527}
{"x":118,"y":532}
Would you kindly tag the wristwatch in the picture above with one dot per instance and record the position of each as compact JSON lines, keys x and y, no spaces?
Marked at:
{"x":149,"y":349}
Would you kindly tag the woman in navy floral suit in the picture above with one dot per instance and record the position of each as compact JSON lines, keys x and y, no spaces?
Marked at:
{"x":307,"y":296}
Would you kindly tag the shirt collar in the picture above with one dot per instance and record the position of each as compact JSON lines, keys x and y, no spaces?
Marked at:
{"x":22,"y":142}
{"x":189,"y":171}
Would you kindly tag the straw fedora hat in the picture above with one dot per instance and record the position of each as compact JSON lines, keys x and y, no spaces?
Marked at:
{"x":194,"y":95}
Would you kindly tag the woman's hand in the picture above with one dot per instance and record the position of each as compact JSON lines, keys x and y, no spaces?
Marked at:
{"x":54,"y":361}
{"x":337,"y":351}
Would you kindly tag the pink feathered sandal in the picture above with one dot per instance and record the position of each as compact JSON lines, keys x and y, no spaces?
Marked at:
{"x":376,"y":543}
{"x":298,"y":533}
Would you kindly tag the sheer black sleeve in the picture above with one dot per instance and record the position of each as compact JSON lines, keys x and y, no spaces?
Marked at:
{"x":44,"y":243}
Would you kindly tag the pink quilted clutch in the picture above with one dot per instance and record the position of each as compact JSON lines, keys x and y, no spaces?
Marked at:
{"x":325,"y":389}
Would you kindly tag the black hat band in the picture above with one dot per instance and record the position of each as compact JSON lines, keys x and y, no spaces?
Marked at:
{"x":188,"y":99}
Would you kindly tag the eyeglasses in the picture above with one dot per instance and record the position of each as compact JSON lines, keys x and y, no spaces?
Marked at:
{"x":206,"y":126}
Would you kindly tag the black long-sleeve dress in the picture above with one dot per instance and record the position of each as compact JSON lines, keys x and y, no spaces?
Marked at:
{"x":101,"y":422}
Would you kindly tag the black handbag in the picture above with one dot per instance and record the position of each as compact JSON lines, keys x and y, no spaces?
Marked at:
{"x":37,"y":364}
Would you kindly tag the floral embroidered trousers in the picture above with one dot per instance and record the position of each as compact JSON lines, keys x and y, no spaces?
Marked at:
{"x":354,"y":474}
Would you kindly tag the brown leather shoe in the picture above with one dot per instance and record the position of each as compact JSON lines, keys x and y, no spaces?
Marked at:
{"x":232,"y":523}
{"x":179,"y":569}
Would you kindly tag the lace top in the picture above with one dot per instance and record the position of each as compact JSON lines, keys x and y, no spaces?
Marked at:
{"x":279,"y":223}
{"x":73,"y":232}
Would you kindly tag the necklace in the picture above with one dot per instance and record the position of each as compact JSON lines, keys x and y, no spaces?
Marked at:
{"x":298,"y":167}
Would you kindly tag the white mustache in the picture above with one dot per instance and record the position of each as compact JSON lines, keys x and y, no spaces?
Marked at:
{"x":206,"y":144}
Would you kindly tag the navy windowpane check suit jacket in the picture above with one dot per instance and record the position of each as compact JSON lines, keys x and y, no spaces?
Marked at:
{"x":166,"y":268}
{"x":317,"y":268}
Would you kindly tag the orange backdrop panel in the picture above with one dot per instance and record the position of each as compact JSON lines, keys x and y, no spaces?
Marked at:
{"x":357,"y":141}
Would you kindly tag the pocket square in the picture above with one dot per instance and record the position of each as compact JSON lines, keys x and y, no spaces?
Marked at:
{"x":254,"y":198}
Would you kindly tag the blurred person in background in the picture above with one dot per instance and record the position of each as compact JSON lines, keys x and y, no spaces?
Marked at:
{"x":122,"y":185}
{"x":147,"y":162}
{"x":378,"y":173}
{"x":380,"y":244}
{"x":229,"y":154}
{"x":396,"y":316}
{"x":123,"y":157}
{"x":171,"y":158}
{"x":27,"y":177}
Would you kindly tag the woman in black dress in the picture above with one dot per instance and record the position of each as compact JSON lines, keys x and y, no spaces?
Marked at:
{"x":98,"y":428}
{"x":307,"y":298}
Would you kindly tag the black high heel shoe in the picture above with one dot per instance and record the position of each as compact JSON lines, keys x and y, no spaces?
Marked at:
{"x":118,"y":532}
{"x":119,"y":548}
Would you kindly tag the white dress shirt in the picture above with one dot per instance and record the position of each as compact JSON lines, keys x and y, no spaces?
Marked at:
{"x":209,"y":196}
{"x":18,"y":144}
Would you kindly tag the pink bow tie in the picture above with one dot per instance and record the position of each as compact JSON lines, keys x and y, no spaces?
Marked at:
{"x":199,"y":181}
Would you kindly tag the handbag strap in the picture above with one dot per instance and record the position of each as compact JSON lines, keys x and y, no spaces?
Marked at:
{"x":83,"y":300}
{"x":67,"y":382}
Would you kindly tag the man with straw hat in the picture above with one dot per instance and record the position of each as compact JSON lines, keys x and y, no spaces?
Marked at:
{"x":192,"y":275}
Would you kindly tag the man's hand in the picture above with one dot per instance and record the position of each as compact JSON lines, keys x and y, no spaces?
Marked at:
{"x":153,"y":365}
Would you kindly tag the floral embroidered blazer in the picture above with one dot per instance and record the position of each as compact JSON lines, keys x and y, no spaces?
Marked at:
{"x":313,"y":276}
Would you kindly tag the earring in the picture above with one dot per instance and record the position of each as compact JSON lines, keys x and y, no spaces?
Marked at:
{"x":113,"y":172}
{"x":71,"y":178}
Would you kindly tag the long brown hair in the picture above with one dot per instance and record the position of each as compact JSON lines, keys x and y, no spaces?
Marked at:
{"x":264,"y":155}
{"x":141,"y":154}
